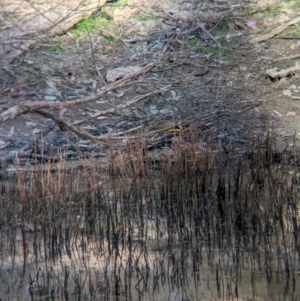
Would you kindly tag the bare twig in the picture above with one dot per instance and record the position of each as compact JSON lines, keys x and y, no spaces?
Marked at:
{"x":201,"y":25}
{"x":130,"y":103}
{"x":30,"y":106}
{"x":83,"y":134}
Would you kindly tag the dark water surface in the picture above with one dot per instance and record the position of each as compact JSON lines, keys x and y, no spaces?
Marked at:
{"x":34,"y":266}
{"x":201,"y":227}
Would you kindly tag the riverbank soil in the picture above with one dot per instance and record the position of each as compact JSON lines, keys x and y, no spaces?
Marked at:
{"x":151,"y":153}
{"x":202,"y":62}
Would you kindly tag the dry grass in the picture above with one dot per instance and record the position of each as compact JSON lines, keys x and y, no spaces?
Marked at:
{"x":195,"y":193}
{"x":209,"y":191}
{"x":190,"y":194}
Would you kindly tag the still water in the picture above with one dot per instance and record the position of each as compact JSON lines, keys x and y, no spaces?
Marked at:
{"x":34,"y":266}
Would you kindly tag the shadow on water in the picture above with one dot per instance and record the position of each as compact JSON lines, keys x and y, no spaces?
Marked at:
{"x":197,"y":224}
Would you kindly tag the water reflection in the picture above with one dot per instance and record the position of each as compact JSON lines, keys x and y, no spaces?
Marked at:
{"x":200,"y":227}
{"x":88,"y":267}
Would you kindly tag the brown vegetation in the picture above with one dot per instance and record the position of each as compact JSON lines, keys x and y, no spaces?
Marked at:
{"x":138,"y":183}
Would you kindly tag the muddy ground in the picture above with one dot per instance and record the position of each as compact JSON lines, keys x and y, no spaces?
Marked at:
{"x":202,"y":70}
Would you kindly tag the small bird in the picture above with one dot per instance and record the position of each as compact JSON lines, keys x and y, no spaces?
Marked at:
{"x":165,"y":126}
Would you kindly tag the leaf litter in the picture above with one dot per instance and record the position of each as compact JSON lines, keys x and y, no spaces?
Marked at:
{"x":181,"y":72}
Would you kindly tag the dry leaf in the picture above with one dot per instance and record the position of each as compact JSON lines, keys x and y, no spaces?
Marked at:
{"x":120,"y":94}
{"x":36,"y":131}
{"x":251,"y":24}
{"x":180,"y":42}
{"x":30,"y":123}
{"x":277,"y":113}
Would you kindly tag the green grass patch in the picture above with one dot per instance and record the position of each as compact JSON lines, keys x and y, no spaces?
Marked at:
{"x":272,"y":11}
{"x":211,"y":50}
{"x":181,"y":68}
{"x":144,"y":17}
{"x":91,"y":24}
{"x":247,"y":10}
{"x":225,"y":50}
{"x":296,"y":30}
{"x":54,"y":48}
{"x":224,"y":25}
{"x":110,"y":39}
{"x":120,"y":3}
{"x":193,"y":41}
{"x":150,"y":40}
{"x":296,"y":4}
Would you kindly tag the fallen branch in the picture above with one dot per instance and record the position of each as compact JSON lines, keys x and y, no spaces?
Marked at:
{"x":286,"y":58}
{"x":275,"y":32}
{"x":83,"y":134}
{"x":30,"y":106}
{"x":66,"y":125}
{"x":276,"y":73}
{"x":130,"y":103}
